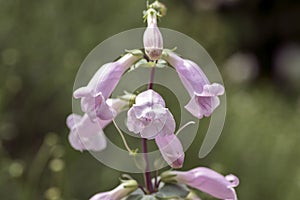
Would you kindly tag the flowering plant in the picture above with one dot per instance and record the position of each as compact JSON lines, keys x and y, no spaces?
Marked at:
{"x":149,"y":118}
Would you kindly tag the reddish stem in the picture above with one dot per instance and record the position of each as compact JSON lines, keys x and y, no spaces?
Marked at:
{"x":148,"y":177}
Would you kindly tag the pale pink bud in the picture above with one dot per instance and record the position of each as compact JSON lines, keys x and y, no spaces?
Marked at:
{"x":153,"y":41}
{"x":118,"y":193}
{"x":171,"y":149}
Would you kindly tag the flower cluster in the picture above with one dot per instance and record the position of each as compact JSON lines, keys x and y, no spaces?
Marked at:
{"x":149,"y":117}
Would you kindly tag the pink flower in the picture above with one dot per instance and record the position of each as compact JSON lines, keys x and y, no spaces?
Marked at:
{"x":153,"y":41}
{"x":206,"y":180}
{"x":204,"y":95}
{"x":86,"y":134}
{"x":149,"y":117}
{"x":94,"y":95}
{"x":171,"y":149}
{"x":118,"y":193}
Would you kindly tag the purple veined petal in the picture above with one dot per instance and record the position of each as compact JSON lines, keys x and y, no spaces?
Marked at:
{"x":171,"y":149}
{"x":149,"y":97}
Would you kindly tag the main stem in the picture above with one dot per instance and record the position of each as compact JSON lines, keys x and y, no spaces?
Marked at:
{"x":147,"y":174}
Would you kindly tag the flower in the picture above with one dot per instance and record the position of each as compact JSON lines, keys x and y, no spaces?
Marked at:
{"x":206,"y":180}
{"x":204,"y":95}
{"x":149,"y":117}
{"x":118,"y":193}
{"x":94,"y":95}
{"x":153,"y":41}
{"x":86,"y":134}
{"x":171,"y":149}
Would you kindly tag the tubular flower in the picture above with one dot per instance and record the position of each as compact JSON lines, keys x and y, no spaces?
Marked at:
{"x":94,"y":95}
{"x":118,"y":193}
{"x":149,"y":117}
{"x":86,"y":134}
{"x":153,"y":41}
{"x":206,"y":180}
{"x":171,"y":149}
{"x":204,"y":95}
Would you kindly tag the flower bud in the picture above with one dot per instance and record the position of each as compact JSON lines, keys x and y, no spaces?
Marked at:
{"x":118,"y":193}
{"x":171,"y":149}
{"x":205,"y":180}
{"x":153,"y":41}
{"x":160,"y":7}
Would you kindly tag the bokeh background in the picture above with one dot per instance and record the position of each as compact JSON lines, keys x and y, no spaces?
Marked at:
{"x":255,"y":43}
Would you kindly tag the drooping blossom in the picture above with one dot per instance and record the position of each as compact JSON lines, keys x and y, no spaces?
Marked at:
{"x":153,"y":41}
{"x":94,"y":95}
{"x":149,"y":116}
{"x":86,"y":134}
{"x":118,"y":193}
{"x":171,"y":149}
{"x":206,"y":180}
{"x":204,"y":95}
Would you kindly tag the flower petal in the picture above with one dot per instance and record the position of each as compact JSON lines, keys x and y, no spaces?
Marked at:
{"x":86,"y":134}
{"x":210,"y":182}
{"x":150,"y":97}
{"x":171,"y":149}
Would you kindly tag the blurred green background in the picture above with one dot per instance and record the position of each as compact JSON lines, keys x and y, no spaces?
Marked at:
{"x":255,"y":43}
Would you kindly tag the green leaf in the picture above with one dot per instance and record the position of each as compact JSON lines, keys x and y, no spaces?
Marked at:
{"x":149,"y":197}
{"x":141,"y":197}
{"x":135,"y":197}
{"x":172,"y":191}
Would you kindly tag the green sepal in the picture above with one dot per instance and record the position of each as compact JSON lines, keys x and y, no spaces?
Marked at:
{"x":172,"y":191}
{"x":141,"y":197}
{"x":135,"y":52}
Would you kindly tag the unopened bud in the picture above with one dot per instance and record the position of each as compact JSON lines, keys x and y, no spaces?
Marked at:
{"x":153,"y":41}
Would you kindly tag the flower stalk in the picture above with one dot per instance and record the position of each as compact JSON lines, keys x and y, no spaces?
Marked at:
{"x":147,"y":174}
